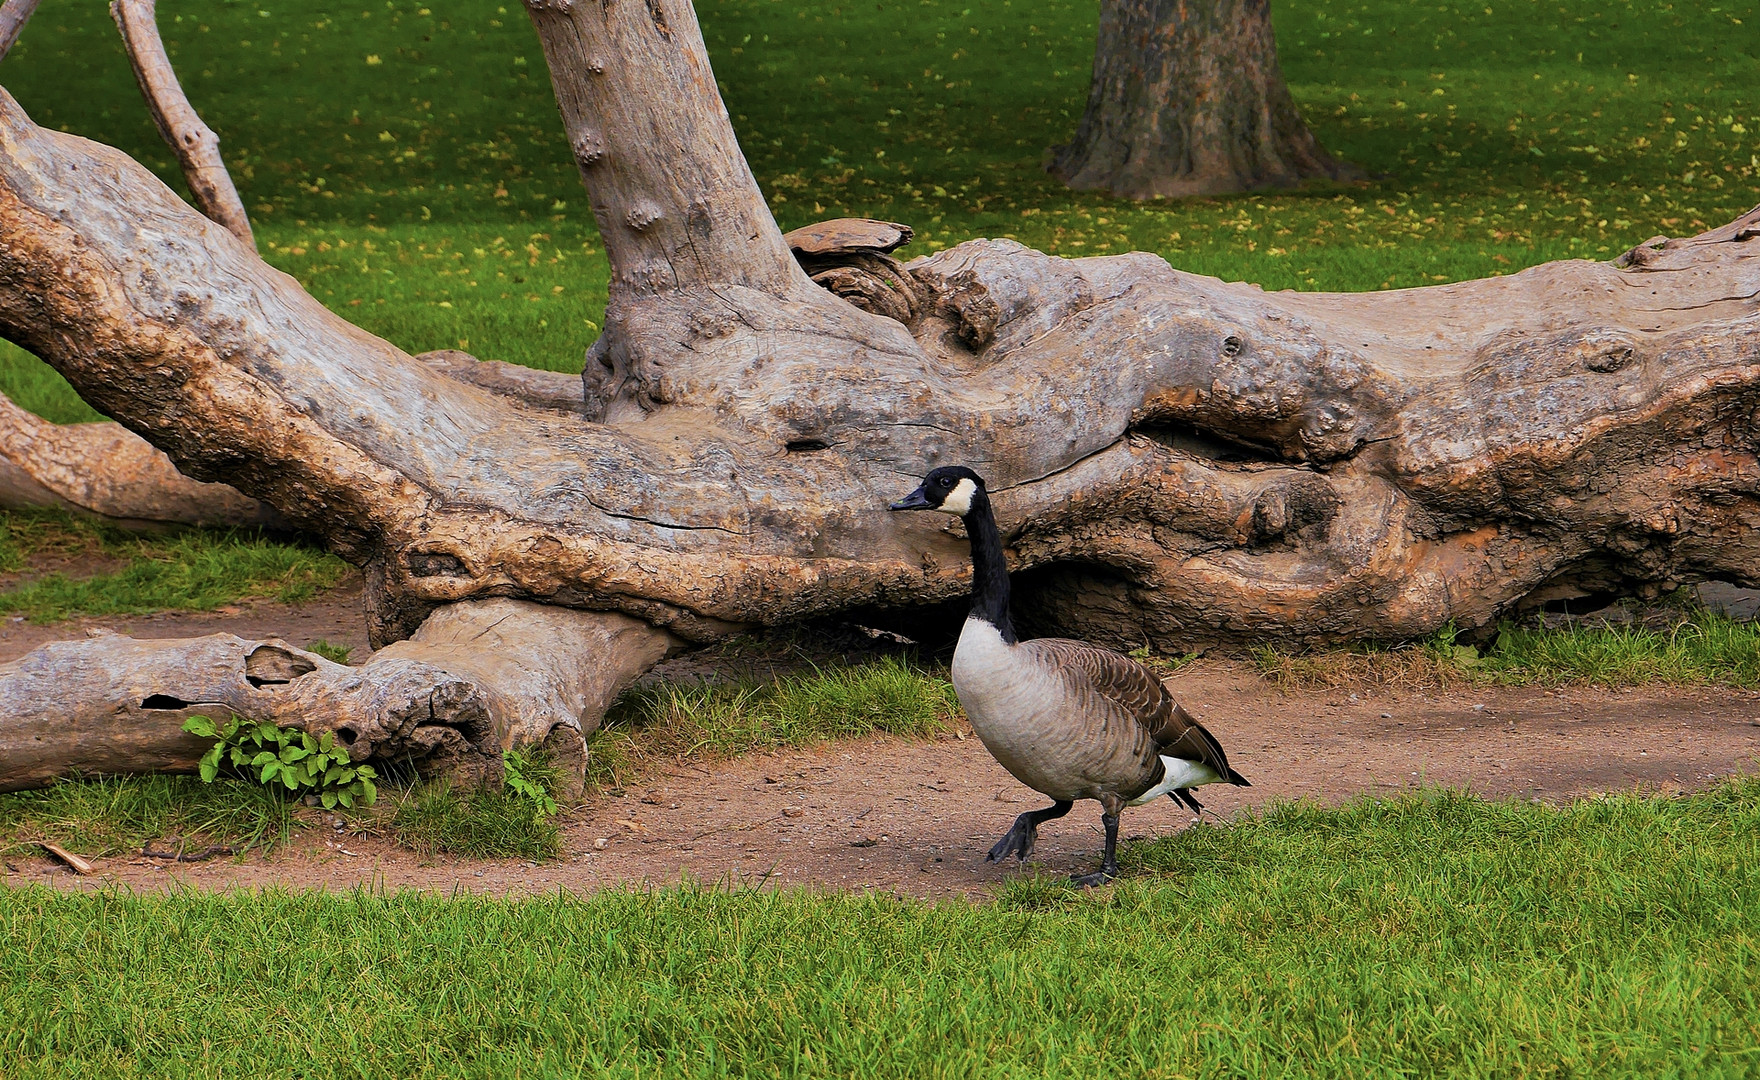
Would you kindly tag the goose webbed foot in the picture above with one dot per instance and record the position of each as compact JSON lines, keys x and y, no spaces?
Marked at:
{"x":1024,"y":832}
{"x":1109,"y":863}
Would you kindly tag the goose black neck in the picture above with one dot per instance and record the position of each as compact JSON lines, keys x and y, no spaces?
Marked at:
{"x":989,"y":569}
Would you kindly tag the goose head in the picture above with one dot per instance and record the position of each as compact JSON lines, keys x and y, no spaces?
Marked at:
{"x":952,"y":489}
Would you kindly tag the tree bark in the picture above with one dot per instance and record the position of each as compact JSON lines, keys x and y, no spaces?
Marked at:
{"x":195,"y":144}
{"x":476,"y":679}
{"x":1174,"y":460}
{"x":103,"y":470}
{"x":1188,"y":99}
{"x":691,"y":242}
{"x":13,"y":15}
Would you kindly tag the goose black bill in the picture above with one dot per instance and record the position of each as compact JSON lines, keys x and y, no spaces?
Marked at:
{"x":916,"y":500}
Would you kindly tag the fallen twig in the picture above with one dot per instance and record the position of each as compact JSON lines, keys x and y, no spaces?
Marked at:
{"x":79,"y":865}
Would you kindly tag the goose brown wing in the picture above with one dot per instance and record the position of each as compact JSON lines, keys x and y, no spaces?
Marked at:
{"x":1183,"y":737}
{"x":1121,"y":681}
{"x":1137,"y":693}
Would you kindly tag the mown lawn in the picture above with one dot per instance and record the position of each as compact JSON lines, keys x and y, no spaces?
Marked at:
{"x":1432,"y":935}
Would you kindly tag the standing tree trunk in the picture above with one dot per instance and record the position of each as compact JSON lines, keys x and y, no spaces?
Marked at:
{"x":1174,"y":460}
{"x":1188,"y":99}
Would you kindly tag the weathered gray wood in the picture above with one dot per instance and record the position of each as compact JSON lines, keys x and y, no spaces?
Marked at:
{"x":1174,"y":460}
{"x":13,"y":15}
{"x":195,"y":144}
{"x":104,"y":470}
{"x":1189,"y":99}
{"x":476,"y":679}
{"x":1408,"y":458}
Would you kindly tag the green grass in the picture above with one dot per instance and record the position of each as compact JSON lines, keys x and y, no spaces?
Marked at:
{"x":1431,"y":935}
{"x":1706,"y":648}
{"x":713,"y":720}
{"x":186,"y":571}
{"x":1702,"y":647}
{"x":337,"y":654}
{"x":116,"y":815}
{"x":487,"y":823}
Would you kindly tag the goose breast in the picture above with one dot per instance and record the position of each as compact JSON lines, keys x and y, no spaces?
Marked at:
{"x":1043,"y":713}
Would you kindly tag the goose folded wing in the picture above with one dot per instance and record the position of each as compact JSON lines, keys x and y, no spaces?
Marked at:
{"x":1136,"y":692}
{"x":1108,"y":681}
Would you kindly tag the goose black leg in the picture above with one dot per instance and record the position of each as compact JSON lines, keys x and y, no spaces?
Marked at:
{"x":1184,"y":795}
{"x":1024,"y":831}
{"x":1109,"y":864}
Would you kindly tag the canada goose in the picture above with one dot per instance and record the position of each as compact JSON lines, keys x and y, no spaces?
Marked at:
{"x":1068,"y":719}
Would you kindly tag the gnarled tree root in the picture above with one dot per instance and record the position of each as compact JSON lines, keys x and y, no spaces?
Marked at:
{"x":478,"y":678}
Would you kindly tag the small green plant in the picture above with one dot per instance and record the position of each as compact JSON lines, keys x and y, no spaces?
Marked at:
{"x":1446,"y":651}
{"x":524,"y":777}
{"x":334,"y":653}
{"x":302,"y":764}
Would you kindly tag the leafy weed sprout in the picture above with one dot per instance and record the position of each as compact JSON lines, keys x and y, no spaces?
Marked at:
{"x":301,"y":764}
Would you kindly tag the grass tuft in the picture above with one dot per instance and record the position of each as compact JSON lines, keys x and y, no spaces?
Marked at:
{"x":715,"y":720}
{"x":110,"y":815}
{"x":1435,"y":663}
{"x":483,"y":823}
{"x":1704,"y":647}
{"x":194,"y":570}
{"x":337,"y":654}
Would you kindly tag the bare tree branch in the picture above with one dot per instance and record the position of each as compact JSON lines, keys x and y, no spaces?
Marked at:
{"x":195,"y":144}
{"x":13,"y":15}
{"x":107,"y":471}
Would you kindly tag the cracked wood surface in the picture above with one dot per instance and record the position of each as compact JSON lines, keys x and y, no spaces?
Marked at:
{"x":476,"y":679}
{"x":1177,"y":460}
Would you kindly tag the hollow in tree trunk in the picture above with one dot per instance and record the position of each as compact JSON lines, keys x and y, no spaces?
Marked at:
{"x":1188,"y":99}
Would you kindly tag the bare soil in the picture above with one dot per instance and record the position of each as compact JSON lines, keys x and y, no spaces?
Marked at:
{"x":336,"y":616}
{"x":916,"y":818}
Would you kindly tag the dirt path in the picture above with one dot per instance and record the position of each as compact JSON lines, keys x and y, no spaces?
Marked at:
{"x":916,"y":818}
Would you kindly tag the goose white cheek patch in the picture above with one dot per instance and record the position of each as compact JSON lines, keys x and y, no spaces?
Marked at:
{"x":959,"y":500}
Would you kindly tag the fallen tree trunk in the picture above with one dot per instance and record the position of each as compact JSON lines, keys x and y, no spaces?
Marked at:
{"x":476,"y":679}
{"x":1175,"y":460}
